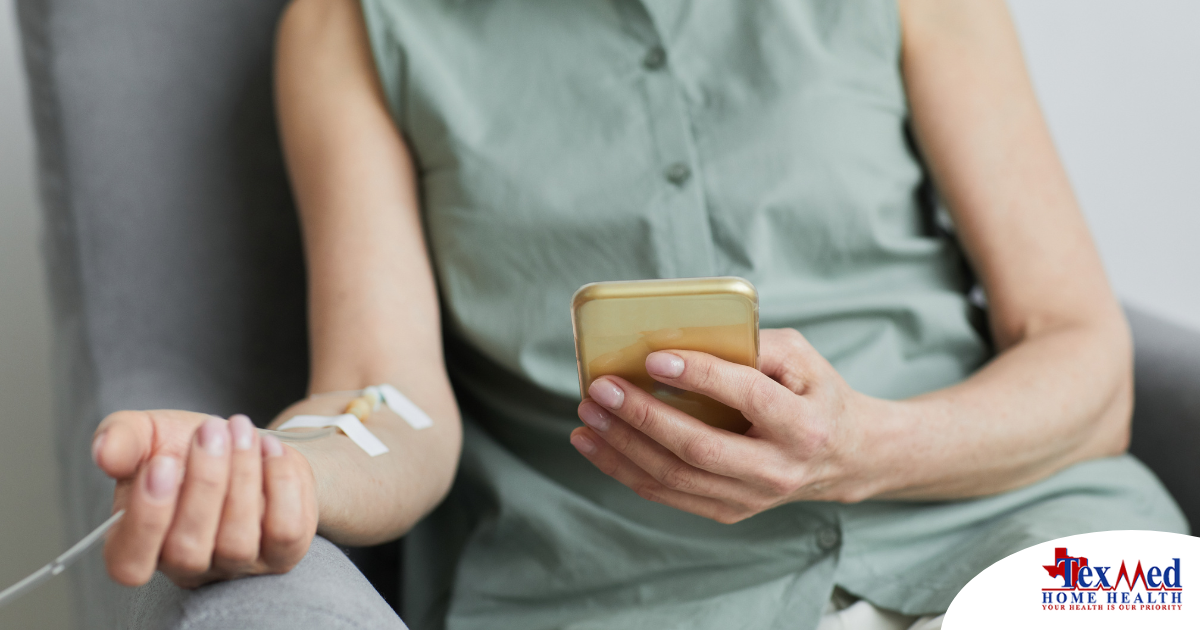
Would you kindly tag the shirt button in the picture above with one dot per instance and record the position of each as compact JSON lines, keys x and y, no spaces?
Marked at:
{"x":828,"y":538}
{"x":678,"y":173}
{"x":655,"y":58}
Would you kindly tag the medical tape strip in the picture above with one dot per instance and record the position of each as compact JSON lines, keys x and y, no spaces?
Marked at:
{"x":404,"y":407}
{"x":348,"y":424}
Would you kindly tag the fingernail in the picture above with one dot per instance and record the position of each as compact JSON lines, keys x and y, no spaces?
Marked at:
{"x":213,"y":437}
{"x":271,"y":446}
{"x":97,"y":445}
{"x":163,"y":477}
{"x":606,"y":393}
{"x":584,"y":444}
{"x":595,"y":417}
{"x":243,"y":432}
{"x":664,"y":364}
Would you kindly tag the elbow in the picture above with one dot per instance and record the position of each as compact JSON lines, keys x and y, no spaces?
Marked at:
{"x":445,"y":473}
{"x":1116,"y":418}
{"x":439,"y":471}
{"x":1109,"y":399}
{"x":1119,"y":431}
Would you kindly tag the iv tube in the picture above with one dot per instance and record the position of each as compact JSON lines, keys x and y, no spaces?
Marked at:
{"x":42,"y":575}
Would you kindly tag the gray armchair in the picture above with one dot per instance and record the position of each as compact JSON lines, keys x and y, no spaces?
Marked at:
{"x":174,"y":253}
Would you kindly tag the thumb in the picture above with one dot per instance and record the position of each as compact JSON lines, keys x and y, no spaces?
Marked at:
{"x":787,"y":358}
{"x":122,"y":442}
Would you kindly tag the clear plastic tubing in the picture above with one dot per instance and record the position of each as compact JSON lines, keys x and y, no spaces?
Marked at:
{"x":59,"y":564}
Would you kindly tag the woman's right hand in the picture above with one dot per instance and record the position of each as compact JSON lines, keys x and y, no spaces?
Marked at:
{"x":205,"y":499}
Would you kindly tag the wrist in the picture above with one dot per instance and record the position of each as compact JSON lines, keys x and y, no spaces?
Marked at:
{"x":312,"y":458}
{"x":884,"y":447}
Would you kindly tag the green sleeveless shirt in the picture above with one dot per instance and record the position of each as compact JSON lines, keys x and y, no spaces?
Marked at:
{"x":561,"y":143}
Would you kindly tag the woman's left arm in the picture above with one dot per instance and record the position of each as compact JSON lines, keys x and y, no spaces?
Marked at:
{"x":1061,"y":389}
{"x":1059,"y":392}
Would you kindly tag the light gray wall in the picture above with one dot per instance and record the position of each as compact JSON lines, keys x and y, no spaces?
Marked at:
{"x":29,"y":511}
{"x":1120,"y":86}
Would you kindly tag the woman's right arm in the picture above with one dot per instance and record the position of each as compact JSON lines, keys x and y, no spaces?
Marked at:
{"x":373,"y":308}
{"x":208,"y":500}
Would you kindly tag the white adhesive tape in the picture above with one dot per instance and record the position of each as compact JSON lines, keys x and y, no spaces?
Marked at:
{"x":348,"y":424}
{"x":405,"y":408}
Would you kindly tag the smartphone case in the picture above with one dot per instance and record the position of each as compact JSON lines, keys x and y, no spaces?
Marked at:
{"x":617,"y":324}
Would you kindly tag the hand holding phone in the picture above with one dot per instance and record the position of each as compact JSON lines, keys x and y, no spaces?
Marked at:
{"x":617,"y":324}
{"x":813,"y":437}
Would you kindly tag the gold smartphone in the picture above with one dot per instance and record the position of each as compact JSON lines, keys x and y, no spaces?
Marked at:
{"x":617,"y":324}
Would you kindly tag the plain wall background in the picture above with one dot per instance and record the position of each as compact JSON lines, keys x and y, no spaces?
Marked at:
{"x":1118,"y":81}
{"x":1120,"y":84}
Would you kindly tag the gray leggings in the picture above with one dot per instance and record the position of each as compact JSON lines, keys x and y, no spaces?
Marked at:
{"x":324,"y":591}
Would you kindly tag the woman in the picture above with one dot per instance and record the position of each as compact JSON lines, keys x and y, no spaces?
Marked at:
{"x":474,"y":163}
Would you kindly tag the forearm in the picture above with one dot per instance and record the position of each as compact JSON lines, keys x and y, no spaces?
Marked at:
{"x":1060,"y":391}
{"x":365,"y":500}
{"x":373,"y":303}
{"x":1057,"y":398}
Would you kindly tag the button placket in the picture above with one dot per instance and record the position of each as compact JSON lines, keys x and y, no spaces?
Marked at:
{"x":685,"y":233}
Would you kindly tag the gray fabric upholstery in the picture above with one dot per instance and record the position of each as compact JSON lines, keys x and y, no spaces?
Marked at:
{"x":1166,"y":416}
{"x":325,"y":591}
{"x":176,"y":271}
{"x":175,"y":265}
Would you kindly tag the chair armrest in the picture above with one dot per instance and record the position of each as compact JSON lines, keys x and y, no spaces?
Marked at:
{"x":1166,"y":416}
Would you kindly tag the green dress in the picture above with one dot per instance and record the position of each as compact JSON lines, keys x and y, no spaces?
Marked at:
{"x":564,"y":142}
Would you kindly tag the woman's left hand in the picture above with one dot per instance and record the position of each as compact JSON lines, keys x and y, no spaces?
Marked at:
{"x":805,"y":443}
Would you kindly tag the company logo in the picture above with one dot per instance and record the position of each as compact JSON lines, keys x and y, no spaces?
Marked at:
{"x":1083,"y":585}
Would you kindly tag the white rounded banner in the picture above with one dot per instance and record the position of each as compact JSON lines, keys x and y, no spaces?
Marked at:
{"x":1121,"y":579}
